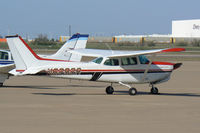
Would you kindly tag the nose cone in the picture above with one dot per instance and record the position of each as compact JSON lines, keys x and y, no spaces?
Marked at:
{"x":177,"y":65}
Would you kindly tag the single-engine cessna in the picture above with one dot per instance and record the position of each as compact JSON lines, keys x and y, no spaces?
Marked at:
{"x":123,"y":67}
{"x":77,"y":41}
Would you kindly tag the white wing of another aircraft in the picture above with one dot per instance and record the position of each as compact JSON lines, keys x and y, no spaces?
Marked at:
{"x":77,"y":41}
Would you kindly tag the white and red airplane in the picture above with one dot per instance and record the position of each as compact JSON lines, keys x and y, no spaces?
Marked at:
{"x":123,"y":67}
{"x":77,"y":41}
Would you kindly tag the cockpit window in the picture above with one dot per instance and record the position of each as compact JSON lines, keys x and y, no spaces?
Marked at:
{"x":143,"y":59}
{"x":3,"y":55}
{"x":98,"y":60}
{"x":129,"y":61}
{"x":112,"y":62}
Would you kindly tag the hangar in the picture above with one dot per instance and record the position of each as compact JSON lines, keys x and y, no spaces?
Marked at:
{"x":186,"y":28}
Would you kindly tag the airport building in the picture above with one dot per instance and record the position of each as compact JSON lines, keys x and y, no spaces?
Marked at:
{"x":182,"y":31}
{"x":63,"y":38}
{"x":186,"y":28}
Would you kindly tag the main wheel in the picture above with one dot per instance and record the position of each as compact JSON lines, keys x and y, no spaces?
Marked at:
{"x":1,"y":84}
{"x":132,"y":91}
{"x":109,"y":90}
{"x":154,"y":90}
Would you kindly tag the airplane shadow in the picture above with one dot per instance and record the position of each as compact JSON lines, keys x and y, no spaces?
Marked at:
{"x":55,"y":94}
{"x":121,"y":93}
{"x":32,"y":87}
{"x":50,"y":87}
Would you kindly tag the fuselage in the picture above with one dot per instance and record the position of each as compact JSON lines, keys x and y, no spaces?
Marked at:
{"x":126,"y":70}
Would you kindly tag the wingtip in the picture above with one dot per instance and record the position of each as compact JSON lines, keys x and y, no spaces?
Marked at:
{"x":174,"y":50}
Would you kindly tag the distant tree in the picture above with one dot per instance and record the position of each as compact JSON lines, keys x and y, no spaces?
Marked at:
{"x":42,"y":38}
{"x":196,"y":43}
{"x":1,"y":36}
{"x":52,"y":40}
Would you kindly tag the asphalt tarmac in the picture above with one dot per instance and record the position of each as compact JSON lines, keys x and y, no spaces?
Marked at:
{"x":47,"y":105}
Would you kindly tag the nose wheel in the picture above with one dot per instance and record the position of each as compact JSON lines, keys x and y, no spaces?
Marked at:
{"x":154,"y":90}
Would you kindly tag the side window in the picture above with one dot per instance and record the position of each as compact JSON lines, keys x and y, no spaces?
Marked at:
{"x":111,"y":62}
{"x":129,"y":61}
{"x":133,"y":61}
{"x":3,"y":55}
{"x":125,"y":61}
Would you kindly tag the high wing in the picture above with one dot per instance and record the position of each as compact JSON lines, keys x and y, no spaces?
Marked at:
{"x":116,"y":53}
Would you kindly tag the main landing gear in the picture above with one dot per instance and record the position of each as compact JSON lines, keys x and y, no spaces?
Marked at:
{"x":1,"y":84}
{"x":132,"y":91}
{"x":109,"y":90}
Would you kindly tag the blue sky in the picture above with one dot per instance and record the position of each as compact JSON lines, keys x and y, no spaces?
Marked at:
{"x":102,"y":17}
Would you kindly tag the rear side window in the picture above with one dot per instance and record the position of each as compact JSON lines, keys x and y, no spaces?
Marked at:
{"x":129,"y":61}
{"x":112,"y":62}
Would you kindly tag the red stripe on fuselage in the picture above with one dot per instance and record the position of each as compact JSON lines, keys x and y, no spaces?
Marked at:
{"x":38,"y":57}
{"x":161,"y":63}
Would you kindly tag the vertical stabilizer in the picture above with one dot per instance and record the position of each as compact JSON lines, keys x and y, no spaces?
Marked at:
{"x":24,"y":56}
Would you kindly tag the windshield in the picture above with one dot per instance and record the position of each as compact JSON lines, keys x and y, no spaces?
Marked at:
{"x":143,"y":59}
{"x":98,"y":60}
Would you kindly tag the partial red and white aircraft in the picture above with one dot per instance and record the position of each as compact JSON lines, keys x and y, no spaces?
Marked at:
{"x":123,"y":67}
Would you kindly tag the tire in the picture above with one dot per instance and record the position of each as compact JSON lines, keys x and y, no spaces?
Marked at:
{"x":154,"y":90}
{"x":109,"y":90}
{"x":1,"y":84}
{"x":132,"y":91}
